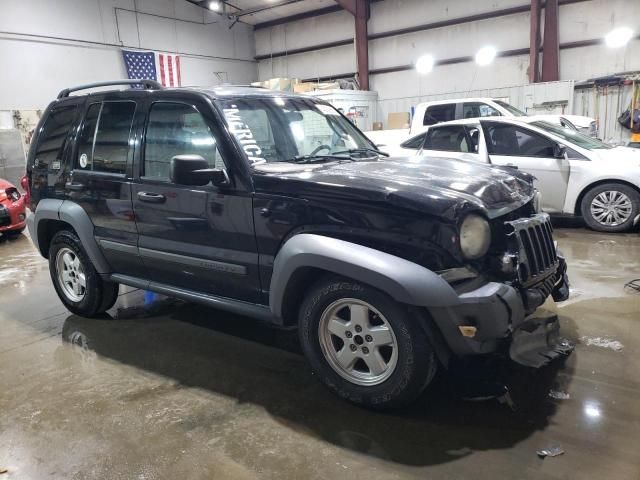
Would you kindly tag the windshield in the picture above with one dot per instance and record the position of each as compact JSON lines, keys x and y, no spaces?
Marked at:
{"x":279,"y":129}
{"x":572,"y":136}
{"x":511,"y":109}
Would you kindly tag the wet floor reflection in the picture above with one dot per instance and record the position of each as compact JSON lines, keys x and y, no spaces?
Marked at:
{"x":254,"y":363}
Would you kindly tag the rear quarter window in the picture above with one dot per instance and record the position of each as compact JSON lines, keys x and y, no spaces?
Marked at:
{"x":439,"y":113}
{"x":54,"y":136}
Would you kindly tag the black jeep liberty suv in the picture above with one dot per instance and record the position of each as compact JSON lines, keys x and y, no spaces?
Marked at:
{"x":276,"y":206}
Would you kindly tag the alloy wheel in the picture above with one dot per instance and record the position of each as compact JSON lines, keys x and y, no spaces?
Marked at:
{"x":358,"y":342}
{"x":71,"y":276}
{"x":611,"y":208}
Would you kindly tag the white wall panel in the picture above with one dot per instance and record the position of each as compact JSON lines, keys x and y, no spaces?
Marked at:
{"x":596,"y":18}
{"x":394,"y":14}
{"x":311,"y":64}
{"x":304,"y":33}
{"x":36,"y":68}
{"x":505,"y":33}
{"x":598,"y":60}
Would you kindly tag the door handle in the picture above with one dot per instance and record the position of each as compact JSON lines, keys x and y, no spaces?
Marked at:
{"x":76,"y":187}
{"x":151,"y":197}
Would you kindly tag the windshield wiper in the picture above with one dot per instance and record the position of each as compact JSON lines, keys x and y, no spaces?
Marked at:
{"x":362,"y":150}
{"x":317,"y":158}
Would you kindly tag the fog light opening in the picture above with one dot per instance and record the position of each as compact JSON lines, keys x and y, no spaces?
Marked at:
{"x":468,"y":331}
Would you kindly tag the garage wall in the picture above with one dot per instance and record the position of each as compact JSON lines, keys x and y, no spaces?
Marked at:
{"x":89,"y":35}
{"x":585,"y":20}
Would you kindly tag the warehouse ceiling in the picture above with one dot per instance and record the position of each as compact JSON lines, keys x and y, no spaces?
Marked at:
{"x":256,"y":12}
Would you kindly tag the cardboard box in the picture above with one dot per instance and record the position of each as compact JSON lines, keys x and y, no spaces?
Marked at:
{"x":377,"y":126}
{"x":282,"y":84}
{"x":304,"y":87}
{"x":398,"y":120}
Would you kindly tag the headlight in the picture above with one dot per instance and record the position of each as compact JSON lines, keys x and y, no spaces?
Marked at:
{"x":475,"y":236}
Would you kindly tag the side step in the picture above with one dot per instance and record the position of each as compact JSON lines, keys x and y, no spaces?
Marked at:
{"x":261,"y":312}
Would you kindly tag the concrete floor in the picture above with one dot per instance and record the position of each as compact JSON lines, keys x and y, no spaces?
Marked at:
{"x":172,"y":390}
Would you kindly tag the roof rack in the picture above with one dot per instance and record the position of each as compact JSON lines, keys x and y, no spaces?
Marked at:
{"x":147,"y":84}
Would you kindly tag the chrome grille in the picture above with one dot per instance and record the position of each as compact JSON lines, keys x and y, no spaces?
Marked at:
{"x":538,"y":257}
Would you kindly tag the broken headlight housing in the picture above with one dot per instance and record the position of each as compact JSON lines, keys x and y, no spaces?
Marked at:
{"x":475,"y":236}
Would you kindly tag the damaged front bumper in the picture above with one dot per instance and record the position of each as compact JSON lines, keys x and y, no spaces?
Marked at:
{"x":493,"y":316}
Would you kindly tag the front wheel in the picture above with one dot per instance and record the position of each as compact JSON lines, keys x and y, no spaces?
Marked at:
{"x":75,"y":279}
{"x":363,"y":345}
{"x":611,"y":207}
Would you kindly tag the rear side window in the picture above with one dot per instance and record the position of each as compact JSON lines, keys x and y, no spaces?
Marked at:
{"x":448,"y":139}
{"x":177,"y":129}
{"x":53,"y":137}
{"x":103,"y":145}
{"x":439,"y":113}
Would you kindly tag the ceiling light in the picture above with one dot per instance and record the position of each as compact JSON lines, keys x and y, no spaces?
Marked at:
{"x":618,"y":37}
{"x":485,"y":56}
{"x":214,"y":5}
{"x":424,"y":64}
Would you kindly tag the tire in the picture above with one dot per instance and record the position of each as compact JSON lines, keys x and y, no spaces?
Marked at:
{"x":605,"y":206}
{"x":88,"y":295}
{"x":410,"y":361}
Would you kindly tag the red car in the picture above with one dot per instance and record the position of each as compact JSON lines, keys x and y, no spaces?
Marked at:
{"x":12,"y":209}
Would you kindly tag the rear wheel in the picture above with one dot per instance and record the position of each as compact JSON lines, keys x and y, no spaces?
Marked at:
{"x":75,"y":279}
{"x":611,"y":207}
{"x":363,"y":345}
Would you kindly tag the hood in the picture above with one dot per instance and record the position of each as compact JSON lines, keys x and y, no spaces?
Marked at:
{"x":617,"y":154}
{"x":436,"y":186}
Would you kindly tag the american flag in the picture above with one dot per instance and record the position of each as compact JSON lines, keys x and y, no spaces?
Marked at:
{"x":162,"y":67}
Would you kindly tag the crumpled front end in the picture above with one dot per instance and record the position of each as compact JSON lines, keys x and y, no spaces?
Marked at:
{"x":526,"y":268}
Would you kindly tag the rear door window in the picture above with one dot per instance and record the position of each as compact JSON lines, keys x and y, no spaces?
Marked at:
{"x":103,"y":145}
{"x":478,"y":110}
{"x":53,"y":137}
{"x":439,"y":113}
{"x":448,"y":139}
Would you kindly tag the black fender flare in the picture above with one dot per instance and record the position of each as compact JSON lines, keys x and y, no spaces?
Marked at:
{"x":404,"y":281}
{"x":73,"y":214}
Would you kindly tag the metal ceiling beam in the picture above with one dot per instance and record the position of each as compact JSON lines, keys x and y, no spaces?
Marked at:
{"x":263,"y":8}
{"x":298,"y":16}
{"x":302,"y":16}
{"x":361,"y":13}
{"x":550,"y":44}
{"x":455,"y":60}
{"x":534,"y":42}
{"x":403,"y":31}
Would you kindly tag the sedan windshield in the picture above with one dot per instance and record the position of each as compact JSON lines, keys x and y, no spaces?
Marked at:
{"x":572,"y":136}
{"x":280,"y":129}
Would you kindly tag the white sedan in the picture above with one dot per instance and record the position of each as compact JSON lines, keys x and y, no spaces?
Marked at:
{"x":576,"y":174}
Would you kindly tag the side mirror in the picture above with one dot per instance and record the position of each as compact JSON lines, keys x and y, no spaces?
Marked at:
{"x":559,"y":150}
{"x":194,"y":170}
